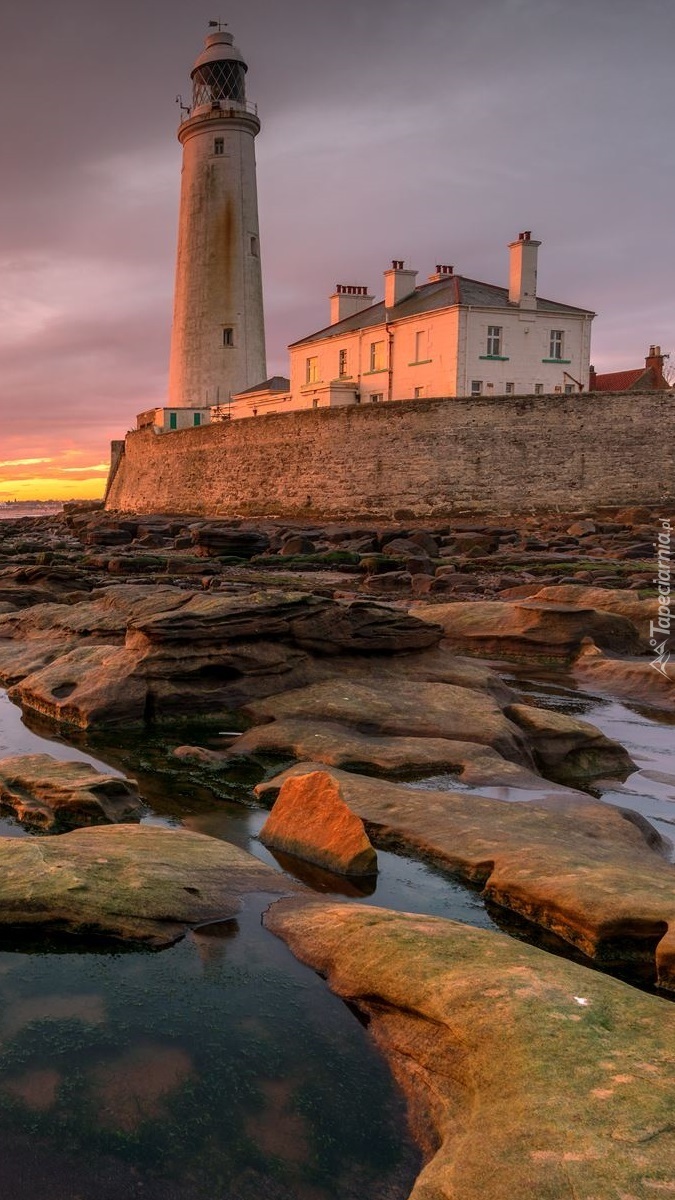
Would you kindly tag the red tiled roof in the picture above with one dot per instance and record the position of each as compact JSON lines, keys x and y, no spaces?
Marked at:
{"x":617,"y":381}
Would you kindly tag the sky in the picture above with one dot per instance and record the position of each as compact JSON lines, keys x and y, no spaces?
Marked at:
{"x":426,"y":130}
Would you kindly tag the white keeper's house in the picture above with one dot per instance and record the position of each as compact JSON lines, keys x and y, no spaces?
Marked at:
{"x":451,"y":336}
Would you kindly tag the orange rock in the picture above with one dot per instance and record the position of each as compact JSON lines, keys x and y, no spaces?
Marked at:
{"x":311,"y":820}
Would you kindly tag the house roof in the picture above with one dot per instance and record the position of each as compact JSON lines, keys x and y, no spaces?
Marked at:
{"x":277,"y":383}
{"x":620,"y":381}
{"x":429,"y":297}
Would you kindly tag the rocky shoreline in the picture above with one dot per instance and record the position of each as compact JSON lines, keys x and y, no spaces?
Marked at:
{"x":361,"y":660}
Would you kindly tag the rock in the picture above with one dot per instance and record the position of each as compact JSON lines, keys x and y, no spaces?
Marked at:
{"x":43,"y":791}
{"x":426,"y":542}
{"x":185,"y":653}
{"x":201,"y":755}
{"x":634,"y":516}
{"x":322,"y":743}
{"x":568,"y":750}
{"x":526,"y":1075}
{"x":587,"y":871}
{"x":621,"y":601}
{"x":312,"y":623}
{"x":229,"y":541}
{"x":311,"y":821}
{"x":388,"y":583}
{"x":88,"y":687}
{"x":647,"y":682}
{"x":128,"y":881}
{"x":582,"y":528}
{"x":531,"y":631}
{"x":296,"y":544}
{"x":404,"y":709}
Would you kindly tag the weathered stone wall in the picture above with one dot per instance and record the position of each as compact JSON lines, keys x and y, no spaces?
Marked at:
{"x":422,"y":457}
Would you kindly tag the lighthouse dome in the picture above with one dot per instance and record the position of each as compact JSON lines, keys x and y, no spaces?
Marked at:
{"x":219,"y":73}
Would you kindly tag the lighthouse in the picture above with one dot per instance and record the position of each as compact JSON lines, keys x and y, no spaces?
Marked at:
{"x":218,"y":332}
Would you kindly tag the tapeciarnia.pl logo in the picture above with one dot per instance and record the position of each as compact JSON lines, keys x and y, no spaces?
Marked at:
{"x":659,"y":630}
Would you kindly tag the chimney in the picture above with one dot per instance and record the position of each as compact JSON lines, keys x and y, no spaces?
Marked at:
{"x":523,"y":271}
{"x":347,"y":300}
{"x":654,"y":361}
{"x":443,"y":271}
{"x":398,"y":283}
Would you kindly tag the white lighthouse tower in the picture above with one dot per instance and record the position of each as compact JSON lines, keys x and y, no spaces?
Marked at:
{"x":218,"y":334}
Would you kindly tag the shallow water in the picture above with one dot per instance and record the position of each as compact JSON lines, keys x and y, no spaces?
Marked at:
{"x":220,"y":1069}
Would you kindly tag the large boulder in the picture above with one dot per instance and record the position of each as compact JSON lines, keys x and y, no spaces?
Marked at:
{"x":526,"y":1075}
{"x":128,"y":881}
{"x":530,"y":631}
{"x":311,"y":821}
{"x":587,"y":871}
{"x":43,"y":791}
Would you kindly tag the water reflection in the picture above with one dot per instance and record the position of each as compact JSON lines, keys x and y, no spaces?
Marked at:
{"x":220,"y":1068}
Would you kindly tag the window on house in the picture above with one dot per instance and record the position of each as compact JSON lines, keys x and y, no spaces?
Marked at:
{"x":421,"y":343}
{"x":509,"y":389}
{"x":342,"y":364}
{"x":219,"y":145}
{"x":255,"y":246}
{"x":377,"y":357}
{"x":377,"y":397}
{"x":494,"y":341}
{"x":538,"y":389}
{"x":568,"y":389}
{"x":476,"y":387}
{"x":555,"y":349}
{"x":173,"y":420}
{"x":196,"y":418}
{"x":228,"y":336}
{"x":312,"y":370}
{"x":315,"y":403}
{"x":419,"y":391}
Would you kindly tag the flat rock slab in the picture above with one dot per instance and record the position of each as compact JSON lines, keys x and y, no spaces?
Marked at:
{"x":527,"y":1076}
{"x":136,"y":882}
{"x":401,"y":708}
{"x":648,"y":681}
{"x":529,"y":630}
{"x":623,"y":601}
{"x":403,"y":757}
{"x":43,"y":791}
{"x":584,"y":870}
{"x":569,"y":750}
{"x":311,"y":821}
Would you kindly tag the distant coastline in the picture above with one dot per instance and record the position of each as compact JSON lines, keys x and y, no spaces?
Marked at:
{"x":14,"y":510}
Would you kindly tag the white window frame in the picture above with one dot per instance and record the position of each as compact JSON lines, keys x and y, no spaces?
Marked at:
{"x":421,"y":345}
{"x":556,"y":345}
{"x":509,"y":389}
{"x":476,"y":387}
{"x":343,"y":364}
{"x":378,"y":359}
{"x":312,"y":369}
{"x":494,"y":341}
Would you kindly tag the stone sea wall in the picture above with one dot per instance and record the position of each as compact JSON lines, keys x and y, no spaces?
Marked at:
{"x":422,"y":458}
